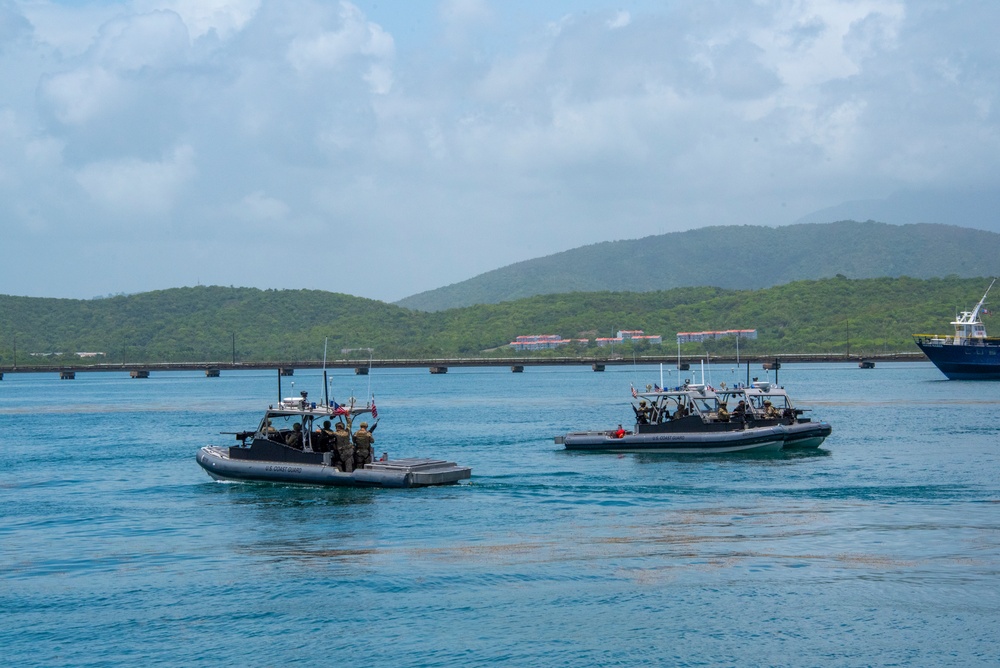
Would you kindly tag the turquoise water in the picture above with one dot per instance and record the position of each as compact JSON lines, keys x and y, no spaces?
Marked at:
{"x":882,"y":548}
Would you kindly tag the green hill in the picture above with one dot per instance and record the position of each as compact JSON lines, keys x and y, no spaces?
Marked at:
{"x":734,"y":257}
{"x":200,"y":324}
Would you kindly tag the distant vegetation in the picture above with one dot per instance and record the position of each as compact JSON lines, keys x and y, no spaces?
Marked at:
{"x":199,"y":324}
{"x":734,"y":257}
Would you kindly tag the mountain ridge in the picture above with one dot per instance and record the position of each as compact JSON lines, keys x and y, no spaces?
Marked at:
{"x":732,"y":257}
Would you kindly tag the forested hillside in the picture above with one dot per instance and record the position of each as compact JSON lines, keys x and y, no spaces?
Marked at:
{"x":734,"y":257}
{"x":200,"y":324}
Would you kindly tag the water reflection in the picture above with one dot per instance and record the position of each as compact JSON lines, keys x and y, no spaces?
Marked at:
{"x":280,"y":496}
{"x":297,"y":525}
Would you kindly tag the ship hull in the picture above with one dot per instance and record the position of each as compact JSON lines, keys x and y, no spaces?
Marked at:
{"x":759,"y":440}
{"x":964,"y":362}
{"x":221,"y":465}
{"x":803,"y":435}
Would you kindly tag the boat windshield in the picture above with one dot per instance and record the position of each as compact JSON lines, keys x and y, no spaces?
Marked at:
{"x":674,"y":405}
{"x":778,"y":401}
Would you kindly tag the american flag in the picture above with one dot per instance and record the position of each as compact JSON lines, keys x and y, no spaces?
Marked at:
{"x":337,"y":408}
{"x":374,"y":410}
{"x":634,"y":393}
{"x":656,"y":387}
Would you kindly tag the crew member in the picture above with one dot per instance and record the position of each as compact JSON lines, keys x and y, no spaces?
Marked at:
{"x":363,"y":440}
{"x":323,"y":439}
{"x":620,"y":432}
{"x":294,"y":438}
{"x":722,"y":414}
{"x":770,"y":412}
{"x":345,"y":449}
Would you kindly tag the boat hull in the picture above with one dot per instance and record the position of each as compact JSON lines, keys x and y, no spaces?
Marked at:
{"x":964,"y":362}
{"x":804,"y":435}
{"x":218,"y":463}
{"x":760,"y":440}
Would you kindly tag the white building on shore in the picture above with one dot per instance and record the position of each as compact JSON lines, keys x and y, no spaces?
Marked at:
{"x":636,"y":335}
{"x":539,"y":342}
{"x":692,"y":337}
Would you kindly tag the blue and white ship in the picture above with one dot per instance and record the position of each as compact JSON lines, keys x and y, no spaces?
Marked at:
{"x":967,"y":355}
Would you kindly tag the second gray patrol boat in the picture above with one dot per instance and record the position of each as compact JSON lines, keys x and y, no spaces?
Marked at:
{"x":681,"y":420}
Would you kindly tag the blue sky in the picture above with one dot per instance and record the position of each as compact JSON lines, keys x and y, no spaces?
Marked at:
{"x":385,"y":148}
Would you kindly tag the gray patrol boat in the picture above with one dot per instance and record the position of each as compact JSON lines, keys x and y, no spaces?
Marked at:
{"x":681,"y":420}
{"x":264,"y":454}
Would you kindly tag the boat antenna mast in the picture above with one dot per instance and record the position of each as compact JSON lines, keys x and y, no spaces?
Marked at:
{"x":678,"y":360}
{"x":326,"y":384}
{"x":982,"y":302}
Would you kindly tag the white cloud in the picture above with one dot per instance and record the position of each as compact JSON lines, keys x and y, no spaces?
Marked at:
{"x":259,"y":207}
{"x":158,"y":39}
{"x":225,"y":18}
{"x":44,"y":152}
{"x":130,"y":186}
{"x":816,"y":41}
{"x":619,"y":20}
{"x":354,"y":37}
{"x":426,"y":125}
{"x":465,"y":12}
{"x":81,"y":95}
{"x":13,"y":26}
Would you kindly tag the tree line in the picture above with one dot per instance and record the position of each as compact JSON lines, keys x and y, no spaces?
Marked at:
{"x":217,"y":324}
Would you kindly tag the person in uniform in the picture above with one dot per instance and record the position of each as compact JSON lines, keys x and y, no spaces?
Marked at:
{"x":294,"y":437}
{"x":722,"y":414}
{"x":345,"y":449}
{"x":770,"y":412}
{"x":642,"y":415}
{"x":679,"y":413}
{"x":269,"y":429}
{"x":323,"y":438}
{"x":363,"y":440}
{"x":741,"y":410}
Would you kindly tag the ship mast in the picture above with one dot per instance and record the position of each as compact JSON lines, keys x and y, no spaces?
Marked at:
{"x":975,"y":312}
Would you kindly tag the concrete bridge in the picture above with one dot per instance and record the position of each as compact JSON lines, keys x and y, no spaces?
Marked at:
{"x":441,"y":365}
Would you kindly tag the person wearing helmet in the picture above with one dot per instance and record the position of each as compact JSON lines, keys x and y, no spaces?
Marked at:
{"x":345,"y":449}
{"x":294,"y":438}
{"x":723,"y":413}
{"x":770,"y":412}
{"x":363,"y":441}
{"x":642,"y":413}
